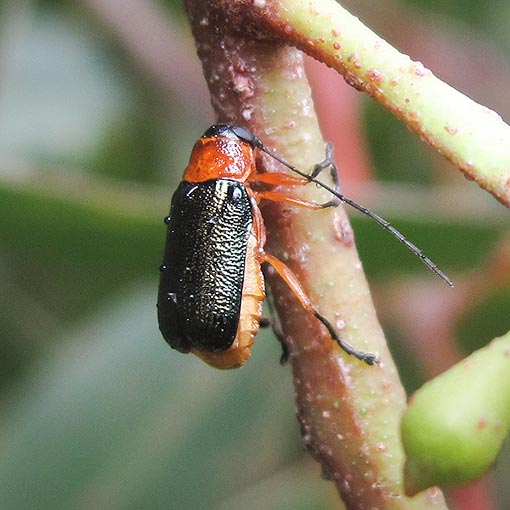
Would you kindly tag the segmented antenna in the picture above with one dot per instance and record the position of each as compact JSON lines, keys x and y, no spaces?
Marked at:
{"x":381,"y":221}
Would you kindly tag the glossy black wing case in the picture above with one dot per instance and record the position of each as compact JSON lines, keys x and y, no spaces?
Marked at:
{"x":202,"y":274}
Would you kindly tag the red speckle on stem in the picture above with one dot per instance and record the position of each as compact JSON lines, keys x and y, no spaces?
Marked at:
{"x":290,"y":124}
{"x":354,"y":60}
{"x":335,"y":32}
{"x":375,"y":76}
{"x":343,"y":230}
{"x":482,"y":424}
{"x":314,"y":10}
{"x":336,"y":45}
{"x":395,"y":81}
{"x":452,"y":130}
{"x":386,"y":384}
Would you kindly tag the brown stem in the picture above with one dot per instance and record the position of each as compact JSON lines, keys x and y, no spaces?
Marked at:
{"x":349,"y":412}
{"x":472,"y":137}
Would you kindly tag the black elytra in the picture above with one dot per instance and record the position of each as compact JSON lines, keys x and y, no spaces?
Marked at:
{"x":202,"y":274}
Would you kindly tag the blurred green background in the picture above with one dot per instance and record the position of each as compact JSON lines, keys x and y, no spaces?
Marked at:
{"x":100,"y":103}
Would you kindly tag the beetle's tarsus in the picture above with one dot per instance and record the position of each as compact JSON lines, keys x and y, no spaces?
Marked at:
{"x":367,"y":357}
{"x":328,"y":162}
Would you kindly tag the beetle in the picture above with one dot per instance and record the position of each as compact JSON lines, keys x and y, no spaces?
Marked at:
{"x":211,"y":286}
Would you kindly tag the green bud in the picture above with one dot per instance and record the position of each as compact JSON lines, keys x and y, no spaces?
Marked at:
{"x":455,"y":424}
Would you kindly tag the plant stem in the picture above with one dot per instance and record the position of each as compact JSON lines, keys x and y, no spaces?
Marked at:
{"x":474,"y":138}
{"x":349,"y":412}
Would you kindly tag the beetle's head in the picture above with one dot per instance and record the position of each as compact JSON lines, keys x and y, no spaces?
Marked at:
{"x":236,"y":132}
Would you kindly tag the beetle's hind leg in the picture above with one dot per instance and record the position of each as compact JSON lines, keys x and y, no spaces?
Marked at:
{"x":292,"y":281}
{"x":367,"y":357}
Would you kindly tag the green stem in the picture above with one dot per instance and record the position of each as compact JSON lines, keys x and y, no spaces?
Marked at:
{"x":474,"y":138}
{"x":349,"y":412}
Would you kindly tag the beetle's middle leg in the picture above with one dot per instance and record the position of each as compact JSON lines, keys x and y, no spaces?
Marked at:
{"x":274,"y":324}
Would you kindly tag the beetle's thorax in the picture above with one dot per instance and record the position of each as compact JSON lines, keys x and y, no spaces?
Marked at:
{"x":219,"y":157}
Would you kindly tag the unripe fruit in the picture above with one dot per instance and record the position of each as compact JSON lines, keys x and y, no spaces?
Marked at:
{"x":455,"y":424}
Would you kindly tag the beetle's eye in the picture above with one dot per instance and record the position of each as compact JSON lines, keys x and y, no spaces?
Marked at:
{"x":246,"y":136}
{"x":220,"y":130}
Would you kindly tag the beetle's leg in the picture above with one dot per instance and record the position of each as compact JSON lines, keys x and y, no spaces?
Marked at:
{"x":290,"y":180}
{"x":268,"y":322}
{"x":285,"y":180}
{"x":277,"y":329}
{"x":259,"y":231}
{"x":278,"y":178}
{"x":277,"y":196}
{"x":292,"y":281}
{"x":328,"y":162}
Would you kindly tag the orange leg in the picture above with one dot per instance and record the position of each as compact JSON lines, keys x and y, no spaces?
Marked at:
{"x":295,"y":286}
{"x":279,"y":178}
{"x":259,"y":229}
{"x":277,"y":196}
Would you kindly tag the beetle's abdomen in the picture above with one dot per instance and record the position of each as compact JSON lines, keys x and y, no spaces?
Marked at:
{"x":203,"y":266}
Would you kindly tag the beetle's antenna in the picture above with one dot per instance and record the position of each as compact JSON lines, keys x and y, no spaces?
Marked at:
{"x":381,"y":221}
